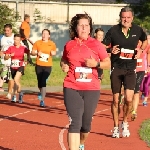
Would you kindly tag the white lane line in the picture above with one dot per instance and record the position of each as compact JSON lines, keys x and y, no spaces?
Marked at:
{"x":17,"y":114}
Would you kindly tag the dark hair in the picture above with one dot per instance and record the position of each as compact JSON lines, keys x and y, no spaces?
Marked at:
{"x":126,"y":9}
{"x":17,"y":35}
{"x":74,"y":23}
{"x":99,"y":29}
{"x":8,"y":26}
{"x":46,"y":30}
{"x":26,"y":16}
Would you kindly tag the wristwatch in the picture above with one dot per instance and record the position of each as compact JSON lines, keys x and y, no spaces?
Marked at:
{"x":98,"y":64}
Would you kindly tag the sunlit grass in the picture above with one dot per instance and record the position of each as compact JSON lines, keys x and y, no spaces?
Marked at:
{"x":145,"y":131}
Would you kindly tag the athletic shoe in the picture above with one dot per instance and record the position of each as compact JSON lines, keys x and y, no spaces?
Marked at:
{"x":20,"y":97}
{"x":39,"y":96}
{"x":8,"y":96}
{"x":1,"y":90}
{"x":42,"y":103}
{"x":81,"y":147}
{"x":14,"y":99}
{"x":115,"y":132}
{"x":144,"y":103}
{"x":125,"y":130}
{"x":133,"y":115}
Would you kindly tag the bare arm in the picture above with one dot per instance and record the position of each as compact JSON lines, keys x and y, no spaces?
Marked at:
{"x":64,"y":65}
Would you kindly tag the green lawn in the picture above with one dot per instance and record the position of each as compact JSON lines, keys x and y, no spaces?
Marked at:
{"x":145,"y":131}
{"x":56,"y":78}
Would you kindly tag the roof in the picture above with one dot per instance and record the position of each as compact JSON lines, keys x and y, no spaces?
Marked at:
{"x":83,"y":1}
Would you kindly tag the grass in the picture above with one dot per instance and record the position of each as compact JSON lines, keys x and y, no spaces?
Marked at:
{"x":144,"y":131}
{"x":56,"y":78}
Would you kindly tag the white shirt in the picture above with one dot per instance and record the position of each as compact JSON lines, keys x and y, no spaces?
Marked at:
{"x":5,"y":43}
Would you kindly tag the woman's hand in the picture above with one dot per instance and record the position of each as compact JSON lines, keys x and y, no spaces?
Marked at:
{"x":65,"y":67}
{"x":90,"y":62}
{"x":39,"y":53}
{"x":53,"y":53}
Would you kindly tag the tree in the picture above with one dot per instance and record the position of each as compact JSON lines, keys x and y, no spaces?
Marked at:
{"x":142,"y":14}
{"x":8,"y":16}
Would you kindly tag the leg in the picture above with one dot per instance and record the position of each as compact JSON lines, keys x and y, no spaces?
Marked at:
{"x":90,"y":103}
{"x":116,"y":84}
{"x":75,"y":107}
{"x":139,"y":78}
{"x":129,"y":85}
{"x":45,"y":75}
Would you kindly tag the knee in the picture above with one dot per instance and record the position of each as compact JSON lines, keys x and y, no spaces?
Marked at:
{"x":75,"y":126}
{"x":86,"y":127}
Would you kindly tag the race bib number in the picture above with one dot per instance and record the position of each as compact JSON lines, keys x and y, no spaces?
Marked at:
{"x":15,"y":63}
{"x":83,"y":74}
{"x":139,"y":63}
{"x":126,"y":53}
{"x":44,"y":57}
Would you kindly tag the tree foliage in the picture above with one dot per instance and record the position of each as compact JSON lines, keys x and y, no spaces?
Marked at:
{"x":142,"y":14}
{"x":8,"y":16}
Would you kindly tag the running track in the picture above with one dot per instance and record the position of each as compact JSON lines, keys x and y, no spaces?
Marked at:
{"x":29,"y":127}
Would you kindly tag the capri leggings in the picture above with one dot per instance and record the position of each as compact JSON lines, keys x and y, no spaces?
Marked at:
{"x":80,"y":106}
{"x":144,"y":88}
{"x":42,"y":73}
{"x":139,"y":78}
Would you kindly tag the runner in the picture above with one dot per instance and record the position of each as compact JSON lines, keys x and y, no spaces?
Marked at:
{"x":16,"y":53}
{"x":6,"y":40}
{"x":124,"y":39}
{"x":99,"y":35}
{"x":25,"y":33}
{"x":146,"y":81}
{"x":44,"y":50}
{"x":81,"y":86}
{"x":140,"y":72}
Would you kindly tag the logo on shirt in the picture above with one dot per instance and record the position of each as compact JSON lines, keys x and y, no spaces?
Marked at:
{"x":133,"y":35}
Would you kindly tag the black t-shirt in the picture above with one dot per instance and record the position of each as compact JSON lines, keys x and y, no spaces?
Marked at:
{"x":115,"y":36}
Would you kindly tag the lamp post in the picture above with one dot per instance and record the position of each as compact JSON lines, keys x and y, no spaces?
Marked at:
{"x":68,"y":11}
{"x":24,"y":6}
{"x":17,"y":1}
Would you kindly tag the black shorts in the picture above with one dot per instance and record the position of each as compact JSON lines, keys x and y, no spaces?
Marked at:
{"x":139,"y":78}
{"x":100,"y":72}
{"x":13,"y":71}
{"x":122,"y":76}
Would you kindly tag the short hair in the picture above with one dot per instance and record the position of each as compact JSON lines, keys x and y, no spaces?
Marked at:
{"x":8,"y":26}
{"x":46,"y":30}
{"x":17,"y":35}
{"x":26,"y":16}
{"x":126,"y":9}
{"x":99,"y":29}
{"x":74,"y":22}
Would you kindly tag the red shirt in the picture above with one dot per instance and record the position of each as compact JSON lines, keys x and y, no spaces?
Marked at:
{"x":18,"y":58}
{"x":75,"y":52}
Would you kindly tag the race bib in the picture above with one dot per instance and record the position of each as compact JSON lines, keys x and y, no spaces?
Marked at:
{"x":15,"y":63}
{"x":126,"y":53}
{"x":83,"y":74}
{"x":44,"y":57}
{"x":139,"y":63}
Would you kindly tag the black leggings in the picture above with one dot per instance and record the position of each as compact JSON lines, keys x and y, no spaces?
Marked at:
{"x":42,"y":73}
{"x":80,"y":106}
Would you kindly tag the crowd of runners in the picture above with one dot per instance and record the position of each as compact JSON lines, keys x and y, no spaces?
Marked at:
{"x":125,"y":50}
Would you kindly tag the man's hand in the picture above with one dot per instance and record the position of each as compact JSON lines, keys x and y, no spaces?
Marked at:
{"x":90,"y":62}
{"x":115,"y":49}
{"x":39,"y":53}
{"x":53,"y":53}
{"x":139,"y":52}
